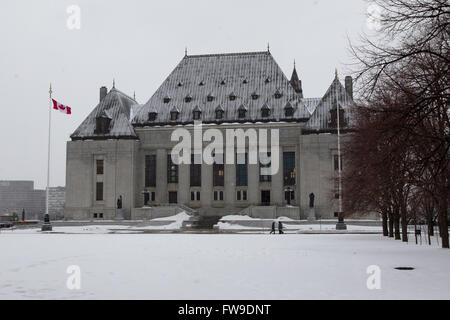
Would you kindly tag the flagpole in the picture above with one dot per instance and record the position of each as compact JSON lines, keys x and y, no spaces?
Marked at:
{"x":340,"y":225}
{"x":49,"y":145}
{"x":46,"y":226}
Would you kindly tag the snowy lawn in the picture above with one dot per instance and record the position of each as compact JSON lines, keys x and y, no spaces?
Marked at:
{"x":236,"y":266}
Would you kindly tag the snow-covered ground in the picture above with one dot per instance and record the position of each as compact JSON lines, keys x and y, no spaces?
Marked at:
{"x":235,"y":266}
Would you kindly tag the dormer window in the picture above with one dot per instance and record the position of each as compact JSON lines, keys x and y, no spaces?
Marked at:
{"x":219,"y":113}
{"x":102,"y":125}
{"x":180,"y":84}
{"x":242,"y":112}
{"x":265,"y":111}
{"x":245,"y":81}
{"x":333,"y":121}
{"x":232,"y":97}
{"x":267,"y":80}
{"x":152,"y":116}
{"x":223,"y":82}
{"x":278,"y":94}
{"x":188,"y":98}
{"x":174,"y":114}
{"x":202,"y":83}
{"x":288,"y":111}
{"x":166,"y":99}
{"x":210,"y":98}
{"x":255,"y":96}
{"x":197,"y":113}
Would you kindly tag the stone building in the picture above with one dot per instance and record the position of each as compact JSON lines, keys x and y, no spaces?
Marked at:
{"x":124,"y":149}
{"x":16,"y":196}
{"x":56,"y":202}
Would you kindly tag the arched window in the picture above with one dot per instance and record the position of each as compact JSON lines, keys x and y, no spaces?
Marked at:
{"x":288,"y":110}
{"x":152,"y":116}
{"x":265,"y":111}
{"x":197,"y":113}
{"x":219,"y":113}
{"x":278,"y":94}
{"x":174,"y":114}
{"x":242,"y":112}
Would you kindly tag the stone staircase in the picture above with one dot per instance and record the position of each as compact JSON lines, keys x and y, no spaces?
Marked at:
{"x":204,"y":222}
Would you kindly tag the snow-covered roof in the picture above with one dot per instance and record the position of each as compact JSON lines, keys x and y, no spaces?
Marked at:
{"x":321,"y":116}
{"x":231,"y":79}
{"x":116,"y":106}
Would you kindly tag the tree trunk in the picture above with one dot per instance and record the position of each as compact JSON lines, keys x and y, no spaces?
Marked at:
{"x":404,"y":223}
{"x":443,"y":221}
{"x":397,"y":224}
{"x":430,"y":223}
{"x":384,"y":216}
{"x":391,"y":224}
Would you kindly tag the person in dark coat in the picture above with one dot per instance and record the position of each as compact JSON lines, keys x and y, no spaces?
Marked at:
{"x":280,"y":227}
{"x":273,"y":228}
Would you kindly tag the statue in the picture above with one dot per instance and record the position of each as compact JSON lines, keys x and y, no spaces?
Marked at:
{"x":311,"y":200}
{"x":119,"y":202}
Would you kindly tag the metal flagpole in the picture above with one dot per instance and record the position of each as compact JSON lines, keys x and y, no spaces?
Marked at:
{"x":49,"y":145}
{"x":47,"y":226}
{"x":341,"y":225}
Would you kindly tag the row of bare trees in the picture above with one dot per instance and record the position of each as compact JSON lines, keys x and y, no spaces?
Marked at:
{"x":398,"y":158}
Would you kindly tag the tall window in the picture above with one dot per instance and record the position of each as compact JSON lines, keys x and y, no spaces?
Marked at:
{"x":100,"y":168}
{"x":265,"y":178}
{"x":172,"y":170}
{"x":218,"y":173}
{"x":242,"y":170}
{"x":99,"y":191}
{"x":150,"y":171}
{"x":289,"y":171}
{"x":196,"y":173}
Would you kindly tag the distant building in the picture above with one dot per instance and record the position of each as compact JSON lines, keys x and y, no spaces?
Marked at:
{"x":123,"y":150}
{"x":56,"y":202}
{"x":16,"y":196}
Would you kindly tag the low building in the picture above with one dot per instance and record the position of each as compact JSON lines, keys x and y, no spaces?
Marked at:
{"x":16,"y":196}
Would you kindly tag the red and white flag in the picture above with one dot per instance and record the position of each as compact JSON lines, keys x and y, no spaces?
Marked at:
{"x":60,"y":107}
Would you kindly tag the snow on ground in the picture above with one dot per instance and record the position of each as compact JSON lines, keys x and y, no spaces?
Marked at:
{"x":235,"y":266}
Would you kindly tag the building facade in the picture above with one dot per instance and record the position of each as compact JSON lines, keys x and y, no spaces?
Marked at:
{"x":16,"y":196}
{"x":122,"y":150}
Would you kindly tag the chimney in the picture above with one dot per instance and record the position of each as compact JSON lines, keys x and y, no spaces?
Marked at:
{"x":103,"y":92}
{"x":349,"y":86}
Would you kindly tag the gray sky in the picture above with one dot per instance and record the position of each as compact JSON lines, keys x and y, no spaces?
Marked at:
{"x":139,"y":43}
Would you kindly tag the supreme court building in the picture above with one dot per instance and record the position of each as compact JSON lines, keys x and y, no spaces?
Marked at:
{"x":123,"y":148}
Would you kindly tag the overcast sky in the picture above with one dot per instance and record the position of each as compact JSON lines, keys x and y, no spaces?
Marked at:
{"x":139,"y":43}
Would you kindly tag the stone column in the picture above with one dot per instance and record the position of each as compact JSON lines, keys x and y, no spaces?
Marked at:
{"x":161,"y":176}
{"x":277,"y":191}
{"x":184,"y":184}
{"x":253,"y":184}
{"x":207,"y":185}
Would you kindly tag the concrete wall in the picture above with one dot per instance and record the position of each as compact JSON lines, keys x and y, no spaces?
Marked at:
{"x":81,"y":178}
{"x":56,"y":202}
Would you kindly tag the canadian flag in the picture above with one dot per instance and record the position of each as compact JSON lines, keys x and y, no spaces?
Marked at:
{"x":61,"y":107}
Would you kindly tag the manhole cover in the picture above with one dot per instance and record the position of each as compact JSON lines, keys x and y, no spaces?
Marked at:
{"x":405,"y":268}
